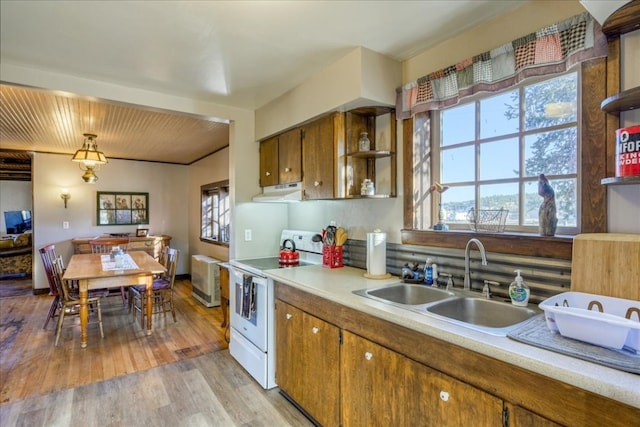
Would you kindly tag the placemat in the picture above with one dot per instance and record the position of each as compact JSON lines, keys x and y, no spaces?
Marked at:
{"x":110,"y":265}
{"x":538,"y":334}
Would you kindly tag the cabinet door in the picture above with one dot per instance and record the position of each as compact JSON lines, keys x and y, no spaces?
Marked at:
{"x":269,"y":162}
{"x":520,"y":417}
{"x":289,"y":363}
{"x":290,"y":156}
{"x":320,"y":355}
{"x":372,"y":384}
{"x":319,"y":149}
{"x":439,"y":400}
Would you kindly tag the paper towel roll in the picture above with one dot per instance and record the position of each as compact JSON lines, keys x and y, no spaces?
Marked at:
{"x":377,"y":253}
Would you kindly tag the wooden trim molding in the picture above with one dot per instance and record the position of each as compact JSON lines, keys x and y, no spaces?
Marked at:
{"x":559,"y":247}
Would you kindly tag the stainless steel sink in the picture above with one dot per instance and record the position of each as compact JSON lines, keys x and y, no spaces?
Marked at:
{"x":490,"y":316}
{"x":406,"y":294}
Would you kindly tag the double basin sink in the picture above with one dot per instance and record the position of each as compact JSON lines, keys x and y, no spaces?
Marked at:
{"x":489,"y":316}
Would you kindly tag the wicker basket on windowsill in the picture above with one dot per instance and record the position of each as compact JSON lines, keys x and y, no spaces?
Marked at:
{"x":487,"y":220}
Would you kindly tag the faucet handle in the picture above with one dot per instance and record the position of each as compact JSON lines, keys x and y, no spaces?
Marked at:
{"x":449,"y":279}
{"x":486,"y":291}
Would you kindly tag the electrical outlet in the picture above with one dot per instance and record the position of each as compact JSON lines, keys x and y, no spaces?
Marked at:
{"x":65,"y":225}
{"x":247,"y":235}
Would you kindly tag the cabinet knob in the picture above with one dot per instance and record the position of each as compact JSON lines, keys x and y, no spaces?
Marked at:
{"x":368,"y":355}
{"x":315,"y":330}
{"x":287,"y":169}
{"x":317,"y":183}
{"x":444,"y":396}
{"x":267,"y":173}
{"x":289,"y":316}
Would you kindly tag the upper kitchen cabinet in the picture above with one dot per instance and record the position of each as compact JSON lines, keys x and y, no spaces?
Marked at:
{"x":281,"y":159}
{"x":324,"y":154}
{"x":322,"y":146}
{"x":377,"y":163}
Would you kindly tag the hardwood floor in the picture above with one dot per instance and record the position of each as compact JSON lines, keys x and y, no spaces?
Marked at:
{"x":181,"y":374}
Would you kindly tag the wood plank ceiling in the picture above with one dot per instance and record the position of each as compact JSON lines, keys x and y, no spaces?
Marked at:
{"x":33,"y":120}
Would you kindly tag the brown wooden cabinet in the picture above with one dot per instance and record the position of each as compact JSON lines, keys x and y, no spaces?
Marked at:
{"x":269,"y":162}
{"x":224,"y":293}
{"x":281,"y":159}
{"x":391,"y":375}
{"x":405,"y":391}
{"x":439,"y":400}
{"x":153,"y":245}
{"x":322,"y":144}
{"x":307,"y":365}
{"x":372,"y":384}
{"x":377,"y":164}
{"x":323,"y":153}
{"x":520,"y":417}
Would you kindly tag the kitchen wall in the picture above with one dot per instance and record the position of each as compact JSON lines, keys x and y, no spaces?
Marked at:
{"x":211,"y":169}
{"x":361,"y":216}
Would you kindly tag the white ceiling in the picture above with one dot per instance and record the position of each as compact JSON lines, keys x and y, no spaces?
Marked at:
{"x":234,"y":53}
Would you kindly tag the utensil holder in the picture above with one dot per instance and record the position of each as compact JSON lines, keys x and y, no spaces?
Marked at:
{"x":333,"y":256}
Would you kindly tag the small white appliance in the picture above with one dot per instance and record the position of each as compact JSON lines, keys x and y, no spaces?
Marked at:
{"x":205,"y":280}
{"x":251,"y":306}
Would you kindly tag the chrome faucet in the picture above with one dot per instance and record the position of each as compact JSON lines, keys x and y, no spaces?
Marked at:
{"x":467,"y":278}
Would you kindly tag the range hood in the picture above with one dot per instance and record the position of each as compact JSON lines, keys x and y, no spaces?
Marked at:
{"x":284,"y":193}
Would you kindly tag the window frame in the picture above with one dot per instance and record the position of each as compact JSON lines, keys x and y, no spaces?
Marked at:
{"x":595,"y":158}
{"x":215,"y":189}
{"x":521,"y":134}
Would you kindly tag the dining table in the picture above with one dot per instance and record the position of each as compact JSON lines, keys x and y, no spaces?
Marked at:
{"x":100,"y":271}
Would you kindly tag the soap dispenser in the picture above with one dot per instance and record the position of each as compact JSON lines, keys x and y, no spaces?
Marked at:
{"x":428,"y":272}
{"x":519,"y":291}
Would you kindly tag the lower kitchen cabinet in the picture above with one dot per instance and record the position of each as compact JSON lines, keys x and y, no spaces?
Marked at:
{"x":380,"y":387}
{"x":435,"y":399}
{"x":386,"y":375}
{"x":372,"y":388}
{"x":308,"y":362}
{"x":520,"y":417}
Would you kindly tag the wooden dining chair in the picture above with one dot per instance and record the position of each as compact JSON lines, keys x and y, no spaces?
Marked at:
{"x":104,"y":246}
{"x":162,"y":289}
{"x":69,"y":301}
{"x":48,"y":255}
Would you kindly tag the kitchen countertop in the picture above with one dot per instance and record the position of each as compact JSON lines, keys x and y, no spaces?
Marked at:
{"x":338,"y":284}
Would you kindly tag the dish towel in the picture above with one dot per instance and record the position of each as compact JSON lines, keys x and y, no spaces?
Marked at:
{"x":248,"y":296}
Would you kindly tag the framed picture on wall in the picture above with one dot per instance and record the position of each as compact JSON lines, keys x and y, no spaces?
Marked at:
{"x":122,"y":208}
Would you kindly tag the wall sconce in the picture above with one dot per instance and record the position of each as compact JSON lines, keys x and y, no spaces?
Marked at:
{"x":65,"y":196}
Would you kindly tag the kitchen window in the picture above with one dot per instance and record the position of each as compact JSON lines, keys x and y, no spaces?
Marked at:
{"x":215,"y":216}
{"x":489,"y":152}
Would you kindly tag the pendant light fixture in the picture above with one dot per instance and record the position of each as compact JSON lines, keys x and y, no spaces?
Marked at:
{"x":89,"y":158}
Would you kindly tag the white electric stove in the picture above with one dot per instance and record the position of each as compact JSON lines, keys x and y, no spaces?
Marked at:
{"x":251,"y":303}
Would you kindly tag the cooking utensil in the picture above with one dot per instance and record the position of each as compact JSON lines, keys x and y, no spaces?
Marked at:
{"x":341,"y":236}
{"x":289,"y":255}
{"x":329,"y":238}
{"x":316,"y":238}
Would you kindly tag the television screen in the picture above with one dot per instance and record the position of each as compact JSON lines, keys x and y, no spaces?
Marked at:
{"x":17,"y":221}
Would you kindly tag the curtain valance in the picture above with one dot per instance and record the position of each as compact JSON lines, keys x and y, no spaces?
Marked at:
{"x":550,"y":50}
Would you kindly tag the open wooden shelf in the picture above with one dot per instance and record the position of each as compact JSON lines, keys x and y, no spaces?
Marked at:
{"x":621,"y":180}
{"x":623,"y":101}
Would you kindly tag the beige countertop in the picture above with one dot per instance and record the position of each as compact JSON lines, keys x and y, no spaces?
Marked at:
{"x":338,"y":284}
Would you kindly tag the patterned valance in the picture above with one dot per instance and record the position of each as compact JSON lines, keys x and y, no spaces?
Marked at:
{"x":553,"y":49}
